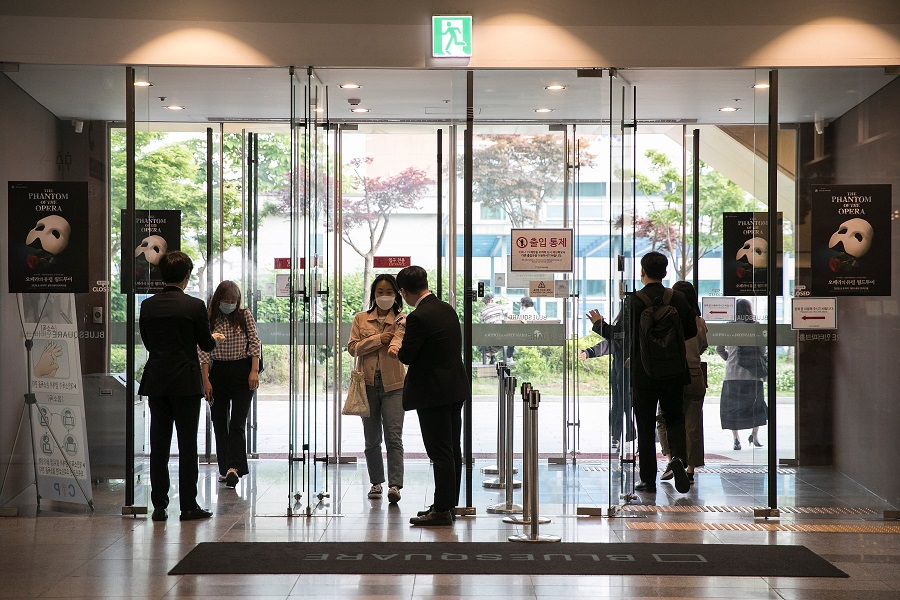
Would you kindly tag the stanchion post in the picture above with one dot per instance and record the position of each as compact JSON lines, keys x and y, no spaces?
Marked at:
{"x":534,"y":400}
{"x":495,"y":468}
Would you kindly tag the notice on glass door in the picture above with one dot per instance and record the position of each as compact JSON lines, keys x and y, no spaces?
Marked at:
{"x":155,"y":233}
{"x":746,"y":247}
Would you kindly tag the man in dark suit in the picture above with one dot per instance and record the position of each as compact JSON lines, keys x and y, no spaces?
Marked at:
{"x":436,"y":388}
{"x":172,"y":325}
{"x":648,"y":392}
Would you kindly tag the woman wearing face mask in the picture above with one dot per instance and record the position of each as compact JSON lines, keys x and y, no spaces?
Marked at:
{"x":230,"y":375}
{"x":375,"y":338}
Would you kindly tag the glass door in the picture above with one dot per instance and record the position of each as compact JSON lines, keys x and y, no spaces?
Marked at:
{"x":313,"y":402}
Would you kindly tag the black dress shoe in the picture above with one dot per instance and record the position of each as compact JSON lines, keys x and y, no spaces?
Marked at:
{"x":422,"y":513}
{"x":195,"y":513}
{"x":159,"y":514}
{"x":646,"y":487}
{"x":682,"y":483}
{"x":433,"y":518}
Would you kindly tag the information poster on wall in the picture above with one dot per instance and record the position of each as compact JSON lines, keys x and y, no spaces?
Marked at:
{"x":851,"y":240}
{"x":746,"y":247}
{"x":156,"y":232}
{"x":542,"y":250}
{"x":58,"y":427}
{"x":48,"y":236}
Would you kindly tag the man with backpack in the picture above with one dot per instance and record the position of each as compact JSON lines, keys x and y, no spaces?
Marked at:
{"x":660,"y":320}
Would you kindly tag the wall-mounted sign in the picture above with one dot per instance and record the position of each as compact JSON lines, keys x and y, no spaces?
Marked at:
{"x":48,"y":236}
{"x":746,"y":247}
{"x":451,"y":36}
{"x":718,"y":309}
{"x":544,"y":250}
{"x":282,"y":263}
{"x":561,"y":288}
{"x":155,"y":233}
{"x":391,"y":262}
{"x":851,"y":240}
{"x":813,"y":313}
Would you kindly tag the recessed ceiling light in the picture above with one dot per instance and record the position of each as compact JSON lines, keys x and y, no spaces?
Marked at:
{"x":543,"y":110}
{"x":359,"y":109}
{"x":554,"y":87}
{"x":761,"y":86}
{"x":728,"y":109}
{"x":174,"y":107}
{"x":143,"y":83}
{"x":350,"y":86}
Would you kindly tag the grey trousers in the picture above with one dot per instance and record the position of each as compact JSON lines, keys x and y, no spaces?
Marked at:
{"x":385,"y":414}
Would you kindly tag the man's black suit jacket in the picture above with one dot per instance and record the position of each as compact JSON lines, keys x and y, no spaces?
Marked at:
{"x":172,"y":325}
{"x":432,"y":347}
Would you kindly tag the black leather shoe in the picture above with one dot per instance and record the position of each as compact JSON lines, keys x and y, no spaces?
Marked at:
{"x":646,"y":487}
{"x":159,"y":514}
{"x":433,"y":518}
{"x":195,"y":513}
{"x":422,"y":513}
{"x":231,"y":478}
{"x":682,"y":483}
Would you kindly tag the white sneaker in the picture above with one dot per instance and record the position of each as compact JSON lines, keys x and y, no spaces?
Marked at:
{"x":394,"y":494}
{"x":375,"y":491}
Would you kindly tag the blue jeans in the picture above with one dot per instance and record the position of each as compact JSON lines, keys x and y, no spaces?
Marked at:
{"x":385,"y":412}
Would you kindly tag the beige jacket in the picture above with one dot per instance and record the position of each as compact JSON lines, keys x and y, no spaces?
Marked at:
{"x":365,"y":342}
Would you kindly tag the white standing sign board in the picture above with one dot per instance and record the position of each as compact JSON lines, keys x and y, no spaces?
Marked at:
{"x":58,"y":427}
{"x":813,"y":313}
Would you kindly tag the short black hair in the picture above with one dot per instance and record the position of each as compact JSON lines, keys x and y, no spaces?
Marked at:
{"x":413,"y":279}
{"x":526,"y":301}
{"x":655,"y":265}
{"x":487,"y":298}
{"x":175,"y":266}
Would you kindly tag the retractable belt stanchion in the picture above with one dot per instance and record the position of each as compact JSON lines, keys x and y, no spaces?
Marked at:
{"x":534,"y":400}
{"x":527,"y":448}
{"x":505,"y":468}
{"x":495,"y":468}
{"x":508,"y":507}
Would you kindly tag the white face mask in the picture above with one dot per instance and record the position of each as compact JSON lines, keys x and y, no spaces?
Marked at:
{"x":384,"y":302}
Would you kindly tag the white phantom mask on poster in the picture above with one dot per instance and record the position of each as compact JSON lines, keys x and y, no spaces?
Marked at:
{"x":52,"y":233}
{"x":856,"y":235}
{"x":755,"y":251}
{"x":153,"y":248}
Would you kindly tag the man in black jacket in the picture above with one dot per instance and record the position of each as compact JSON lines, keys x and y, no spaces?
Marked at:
{"x":436,"y":388}
{"x":172,"y":325}
{"x":648,"y":392}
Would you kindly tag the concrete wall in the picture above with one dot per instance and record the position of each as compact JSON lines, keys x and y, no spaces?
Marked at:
{"x":866,"y":361}
{"x":507,"y":33}
{"x":29,"y":142}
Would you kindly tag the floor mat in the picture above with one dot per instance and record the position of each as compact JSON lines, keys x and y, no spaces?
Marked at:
{"x":504,"y":558}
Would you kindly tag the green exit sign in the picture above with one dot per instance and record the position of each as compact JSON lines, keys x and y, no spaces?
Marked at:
{"x":451,"y":37}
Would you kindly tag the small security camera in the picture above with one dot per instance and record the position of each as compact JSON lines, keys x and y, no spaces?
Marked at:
{"x":353,"y":101}
{"x":78,"y":124}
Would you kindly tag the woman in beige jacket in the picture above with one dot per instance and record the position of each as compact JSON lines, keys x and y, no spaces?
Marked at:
{"x":375,"y":338}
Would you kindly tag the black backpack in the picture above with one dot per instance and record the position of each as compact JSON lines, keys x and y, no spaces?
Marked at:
{"x":661,"y":338}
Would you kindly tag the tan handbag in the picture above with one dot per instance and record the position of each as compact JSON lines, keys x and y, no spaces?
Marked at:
{"x":357,"y":403}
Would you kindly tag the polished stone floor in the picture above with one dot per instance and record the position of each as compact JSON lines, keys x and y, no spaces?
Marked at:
{"x":64,"y":552}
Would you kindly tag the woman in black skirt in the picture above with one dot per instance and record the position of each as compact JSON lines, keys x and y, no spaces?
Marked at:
{"x":743,"y":404}
{"x":230,"y":375}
